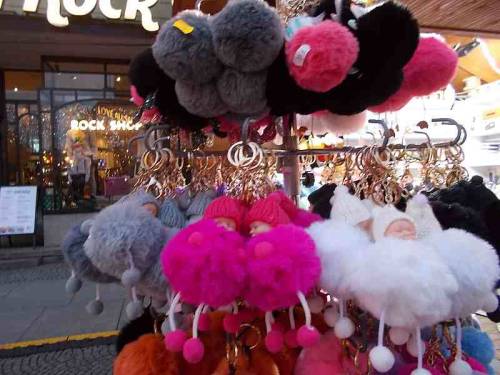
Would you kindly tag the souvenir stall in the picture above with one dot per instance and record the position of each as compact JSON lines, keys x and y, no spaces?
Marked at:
{"x":225,"y":272}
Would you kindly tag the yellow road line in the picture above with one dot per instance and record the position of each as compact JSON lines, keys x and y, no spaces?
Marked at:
{"x":55,"y":340}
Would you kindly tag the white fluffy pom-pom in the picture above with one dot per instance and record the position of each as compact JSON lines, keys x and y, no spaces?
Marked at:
{"x":316,"y":304}
{"x":381,"y":358}
{"x":460,"y":367}
{"x":95,"y":307}
{"x":73,"y":285}
{"x":331,"y":316}
{"x":421,"y":371}
{"x":131,"y":277}
{"x":134,"y":310}
{"x":490,"y":303}
{"x":344,"y":328}
{"x":412,"y":347}
{"x":399,"y":336}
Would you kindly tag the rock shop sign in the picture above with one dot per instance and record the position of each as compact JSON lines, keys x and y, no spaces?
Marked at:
{"x":85,"y":7}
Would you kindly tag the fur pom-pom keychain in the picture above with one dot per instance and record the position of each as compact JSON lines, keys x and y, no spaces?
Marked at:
{"x":184,"y":48}
{"x":320,"y":56}
{"x":206,"y":265}
{"x":247,"y":35}
{"x":284,"y":268}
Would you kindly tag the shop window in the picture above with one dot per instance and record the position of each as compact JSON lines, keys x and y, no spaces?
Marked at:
{"x":74,"y":81}
{"x":22,"y":85}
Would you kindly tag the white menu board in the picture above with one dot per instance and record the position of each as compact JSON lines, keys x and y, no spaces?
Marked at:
{"x":17,"y":210}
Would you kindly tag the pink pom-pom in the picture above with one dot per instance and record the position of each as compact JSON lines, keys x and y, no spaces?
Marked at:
{"x":231,"y":323}
{"x":274,"y":341}
{"x":307,"y":336}
{"x":319,"y":57}
{"x":204,"y":323}
{"x":136,"y":98}
{"x":293,"y":266}
{"x":207,"y":272}
{"x":175,"y":340}
{"x":431,"y":68}
{"x":263,"y":249}
{"x":193,"y":350}
{"x":291,"y":338}
{"x":195,"y":239}
{"x":328,"y":122}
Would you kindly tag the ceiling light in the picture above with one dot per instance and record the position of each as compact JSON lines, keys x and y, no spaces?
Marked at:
{"x":118,"y":79}
{"x":75,"y":77}
{"x":16,"y":89}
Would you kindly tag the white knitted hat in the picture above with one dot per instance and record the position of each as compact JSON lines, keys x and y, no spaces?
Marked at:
{"x":421,"y":212}
{"x":347,"y":207}
{"x":383,"y":217}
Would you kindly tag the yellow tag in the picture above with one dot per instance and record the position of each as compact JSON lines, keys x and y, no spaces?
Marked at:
{"x":183,"y":26}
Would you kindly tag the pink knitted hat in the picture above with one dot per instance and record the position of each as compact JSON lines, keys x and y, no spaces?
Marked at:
{"x":267,"y":210}
{"x":225,"y":207}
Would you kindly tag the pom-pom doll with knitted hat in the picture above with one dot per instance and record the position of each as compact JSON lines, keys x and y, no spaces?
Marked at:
{"x":205,"y":264}
{"x":284,"y":268}
{"x":81,"y":266}
{"x":339,"y":242}
{"x":402,"y":282}
{"x":125,"y":241}
{"x":227,"y":212}
{"x":474,"y":264}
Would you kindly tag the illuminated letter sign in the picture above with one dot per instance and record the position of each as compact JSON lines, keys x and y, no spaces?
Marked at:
{"x":85,"y":7}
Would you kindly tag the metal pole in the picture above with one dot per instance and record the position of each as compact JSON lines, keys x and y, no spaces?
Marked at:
{"x":290,"y":169}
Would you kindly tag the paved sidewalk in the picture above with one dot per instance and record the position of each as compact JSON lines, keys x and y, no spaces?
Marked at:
{"x":35,"y":305}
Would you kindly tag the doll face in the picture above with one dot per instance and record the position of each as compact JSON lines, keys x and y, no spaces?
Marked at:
{"x":366,"y":225}
{"x":402,"y":229}
{"x":151,"y":208}
{"x":226,"y":223}
{"x":259,"y":227}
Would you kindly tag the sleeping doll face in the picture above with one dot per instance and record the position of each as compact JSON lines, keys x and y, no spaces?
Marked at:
{"x":152,"y":208}
{"x":402,"y":229}
{"x":258,"y":227}
{"x":225,"y":222}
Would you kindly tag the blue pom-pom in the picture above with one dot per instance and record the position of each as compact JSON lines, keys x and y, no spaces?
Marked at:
{"x":478,"y":345}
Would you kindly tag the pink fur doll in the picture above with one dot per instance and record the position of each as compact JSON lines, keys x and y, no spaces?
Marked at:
{"x":206,"y":265}
{"x":403,"y":283}
{"x":472,"y":261}
{"x":284,"y":266}
{"x":340,"y":241}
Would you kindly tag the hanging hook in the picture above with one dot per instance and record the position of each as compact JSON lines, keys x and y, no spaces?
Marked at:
{"x":461,"y":131}
{"x":148,"y":133}
{"x":387,"y":135}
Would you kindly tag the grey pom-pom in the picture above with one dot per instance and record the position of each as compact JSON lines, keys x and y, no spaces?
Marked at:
{"x":134,"y":310}
{"x":243,"y":92}
{"x":131,"y":277}
{"x":247,"y":35}
{"x":184,"y":48}
{"x":170,"y":214}
{"x":200,"y":99}
{"x":184,"y":199}
{"x":85,"y":226}
{"x":95,"y":307}
{"x":73,"y":285}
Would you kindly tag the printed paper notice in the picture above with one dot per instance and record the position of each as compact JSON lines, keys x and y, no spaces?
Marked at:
{"x":17,"y":210}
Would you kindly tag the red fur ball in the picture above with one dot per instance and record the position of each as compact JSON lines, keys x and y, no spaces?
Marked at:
{"x":332,"y":50}
{"x":274,"y":341}
{"x":289,"y":266}
{"x":206,"y":264}
{"x":307,"y":336}
{"x":431,"y":68}
{"x":193,"y":350}
{"x":175,"y":340}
